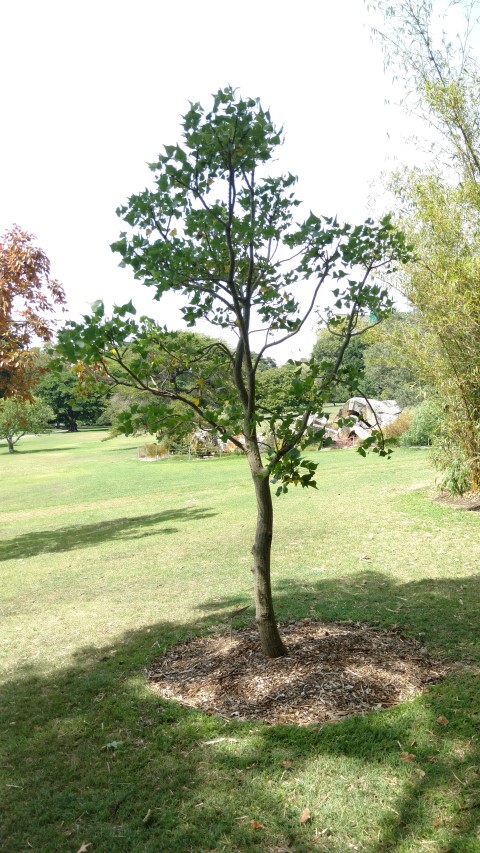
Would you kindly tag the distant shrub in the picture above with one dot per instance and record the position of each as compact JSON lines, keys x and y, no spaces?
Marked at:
{"x":400,"y":425}
{"x":152,"y":451}
{"x":423,"y":426}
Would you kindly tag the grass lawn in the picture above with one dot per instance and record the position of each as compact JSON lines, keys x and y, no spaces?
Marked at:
{"x":106,"y":561}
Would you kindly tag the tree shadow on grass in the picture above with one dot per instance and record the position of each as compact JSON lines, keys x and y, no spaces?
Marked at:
{"x":86,"y":535}
{"x":92,"y":755}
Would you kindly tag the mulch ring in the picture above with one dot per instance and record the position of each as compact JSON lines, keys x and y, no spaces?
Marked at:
{"x":330,"y":671}
{"x":469,"y":501}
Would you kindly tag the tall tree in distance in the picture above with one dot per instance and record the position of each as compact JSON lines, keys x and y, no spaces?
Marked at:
{"x":218,"y":228}
{"x":28,"y":296}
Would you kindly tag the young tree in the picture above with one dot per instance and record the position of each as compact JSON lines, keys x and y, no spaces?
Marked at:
{"x":19,"y":417}
{"x":27,"y":296}
{"x":219,"y":229}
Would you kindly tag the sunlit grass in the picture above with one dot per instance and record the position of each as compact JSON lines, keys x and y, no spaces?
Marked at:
{"x":106,"y":560}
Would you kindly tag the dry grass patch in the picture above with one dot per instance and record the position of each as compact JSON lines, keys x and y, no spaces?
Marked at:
{"x":330,"y":671}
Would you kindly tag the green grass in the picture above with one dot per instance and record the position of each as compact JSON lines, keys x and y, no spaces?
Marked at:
{"x":106,"y":561}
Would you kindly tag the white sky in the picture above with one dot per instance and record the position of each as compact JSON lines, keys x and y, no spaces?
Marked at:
{"x":93,"y":90}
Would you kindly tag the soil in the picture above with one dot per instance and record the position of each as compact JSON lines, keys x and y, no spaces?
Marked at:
{"x":329,"y":672}
{"x":470,"y":501}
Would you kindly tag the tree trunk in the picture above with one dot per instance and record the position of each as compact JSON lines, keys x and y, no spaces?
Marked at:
{"x":270,"y":640}
{"x":11,"y":445}
{"x":71,"y":422}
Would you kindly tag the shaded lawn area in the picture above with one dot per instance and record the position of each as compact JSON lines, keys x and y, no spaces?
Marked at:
{"x":93,"y":589}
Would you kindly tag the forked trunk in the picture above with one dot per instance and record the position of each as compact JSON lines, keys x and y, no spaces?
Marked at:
{"x":270,"y":640}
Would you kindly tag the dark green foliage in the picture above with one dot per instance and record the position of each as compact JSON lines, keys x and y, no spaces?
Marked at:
{"x":276,"y":388}
{"x":388,"y":376}
{"x":72,"y":400}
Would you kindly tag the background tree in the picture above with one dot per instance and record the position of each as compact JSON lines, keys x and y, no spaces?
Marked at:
{"x":72,"y":397}
{"x":444,"y":344}
{"x":375,"y":363}
{"x":131,"y":411}
{"x":28,"y":296}
{"x":440,"y":207}
{"x":390,"y":362}
{"x":19,"y":417}
{"x":351,"y":375}
{"x":219,"y":229}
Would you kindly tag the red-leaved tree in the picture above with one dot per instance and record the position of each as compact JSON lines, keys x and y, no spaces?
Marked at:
{"x":28,"y":296}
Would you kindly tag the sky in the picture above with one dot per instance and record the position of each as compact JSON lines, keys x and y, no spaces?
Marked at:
{"x":93,"y":90}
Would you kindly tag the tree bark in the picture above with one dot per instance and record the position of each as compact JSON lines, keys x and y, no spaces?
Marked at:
{"x":11,"y":445}
{"x":270,"y":640}
{"x":71,"y":422}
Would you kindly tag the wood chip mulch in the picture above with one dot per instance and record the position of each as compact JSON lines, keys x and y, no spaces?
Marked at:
{"x":330,"y":671}
{"x":470,"y":501}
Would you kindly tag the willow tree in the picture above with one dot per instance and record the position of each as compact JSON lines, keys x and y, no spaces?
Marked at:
{"x":218,"y":228}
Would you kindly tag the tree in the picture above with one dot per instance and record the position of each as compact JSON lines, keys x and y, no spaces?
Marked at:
{"x":444,"y":345}
{"x":351,"y":376}
{"x":219,"y":229}
{"x":131,"y":412}
{"x":71,"y":398}
{"x":276,"y":387}
{"x":375,"y":364}
{"x":390,"y":362}
{"x":27,"y":295}
{"x":19,"y":417}
{"x":440,"y":207}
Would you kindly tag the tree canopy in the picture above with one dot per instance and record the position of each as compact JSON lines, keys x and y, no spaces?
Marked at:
{"x":28,"y":296}
{"x":219,"y":228}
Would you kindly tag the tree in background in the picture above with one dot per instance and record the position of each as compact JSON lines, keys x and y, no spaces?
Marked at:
{"x":444,"y":345}
{"x":219,"y":229}
{"x":28,"y":295}
{"x":72,"y":396}
{"x":350,"y":377}
{"x":132,"y":412}
{"x":390,"y":363}
{"x":19,"y":417}
{"x":440,"y":208}
{"x":375,"y":364}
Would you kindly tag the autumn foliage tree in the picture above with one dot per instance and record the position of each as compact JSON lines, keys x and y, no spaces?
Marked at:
{"x":219,"y":228}
{"x":28,"y":296}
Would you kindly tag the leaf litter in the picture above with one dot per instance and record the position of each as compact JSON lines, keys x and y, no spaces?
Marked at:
{"x":330,"y":671}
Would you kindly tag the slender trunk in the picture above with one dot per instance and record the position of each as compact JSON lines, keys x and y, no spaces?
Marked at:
{"x":11,"y":445}
{"x":270,"y":640}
